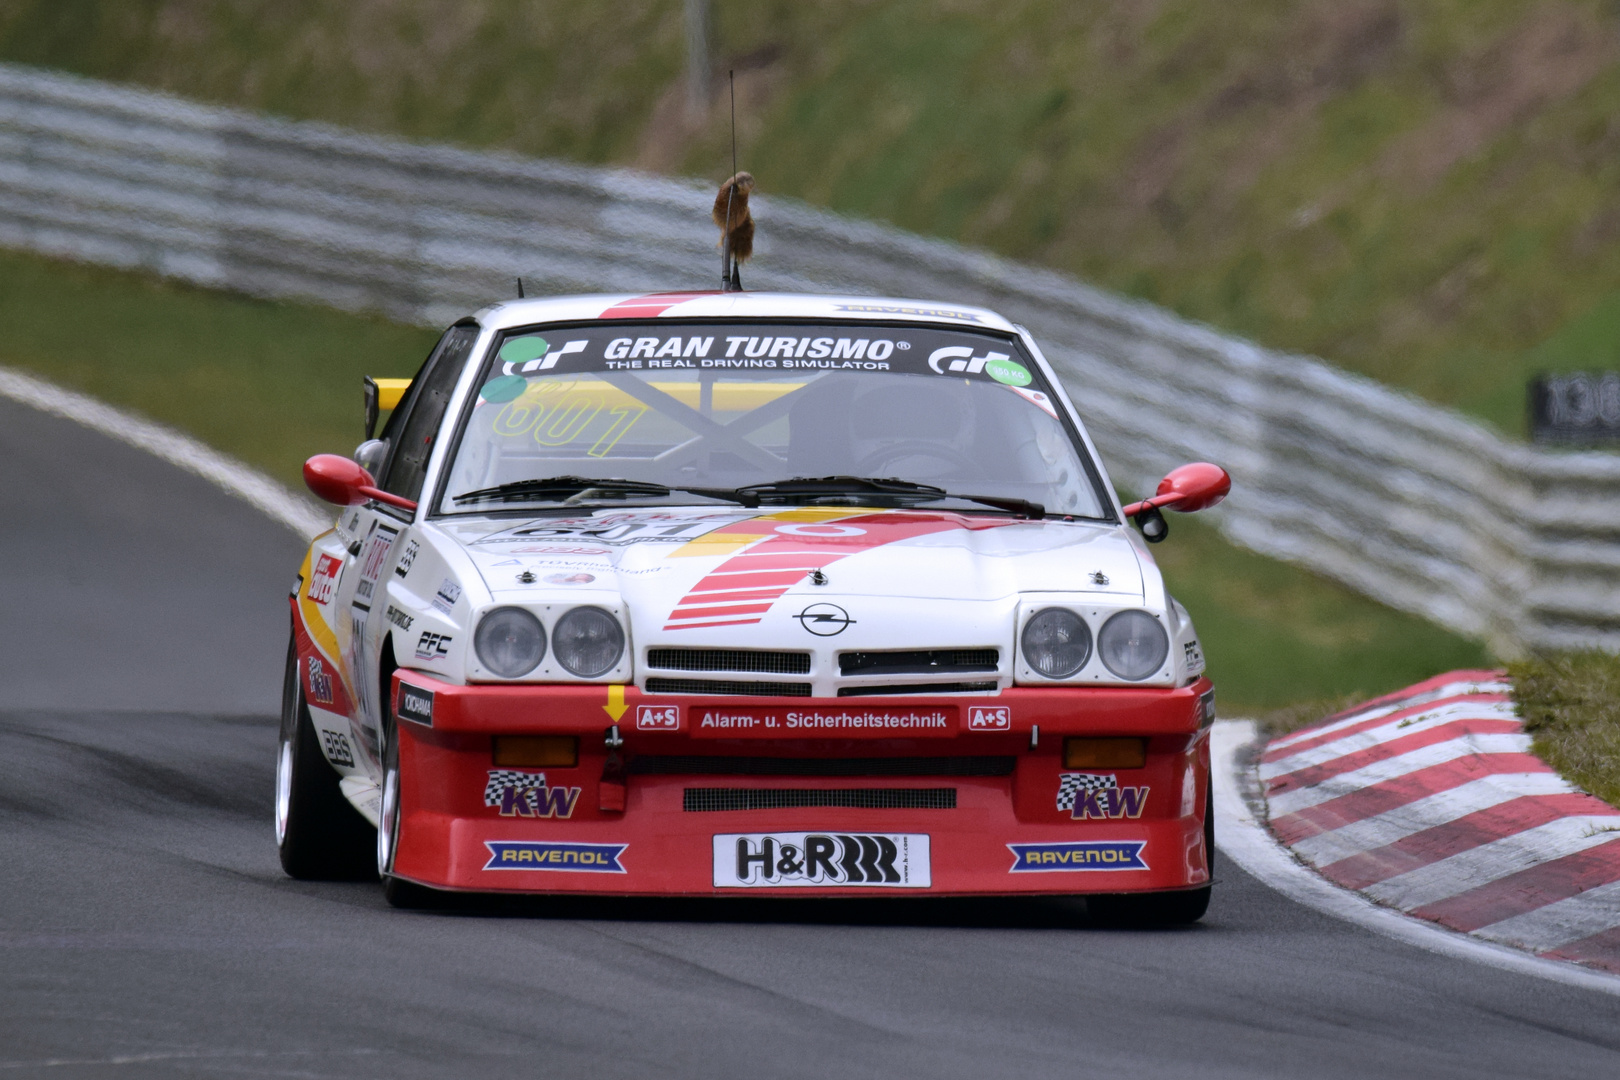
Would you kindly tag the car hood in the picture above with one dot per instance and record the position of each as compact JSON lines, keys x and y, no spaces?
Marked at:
{"x":659,"y":561}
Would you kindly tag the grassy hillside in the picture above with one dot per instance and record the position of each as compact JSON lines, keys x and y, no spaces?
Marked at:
{"x":1422,"y":191}
{"x":274,"y":383}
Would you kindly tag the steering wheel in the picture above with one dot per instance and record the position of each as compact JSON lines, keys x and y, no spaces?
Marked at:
{"x":874,"y":463}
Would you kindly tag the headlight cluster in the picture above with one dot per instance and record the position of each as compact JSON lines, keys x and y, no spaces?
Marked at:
{"x":1056,"y":644}
{"x":587,"y":641}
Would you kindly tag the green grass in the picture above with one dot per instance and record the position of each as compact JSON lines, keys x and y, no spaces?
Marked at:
{"x":1428,"y":193}
{"x":273,"y":383}
{"x":1571,"y":706}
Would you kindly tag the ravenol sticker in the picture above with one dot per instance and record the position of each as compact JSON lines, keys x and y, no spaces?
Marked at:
{"x":1078,"y":855}
{"x":1098,"y":797}
{"x":323,"y":582}
{"x":526,"y":794}
{"x":554,"y":855}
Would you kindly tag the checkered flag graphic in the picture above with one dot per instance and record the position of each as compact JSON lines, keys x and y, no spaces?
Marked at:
{"x":501,"y":779}
{"x":1070,"y":785}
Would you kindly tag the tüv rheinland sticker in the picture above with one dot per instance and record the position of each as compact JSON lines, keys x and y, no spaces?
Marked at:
{"x":1078,"y":855}
{"x":825,"y":860}
{"x":554,"y":855}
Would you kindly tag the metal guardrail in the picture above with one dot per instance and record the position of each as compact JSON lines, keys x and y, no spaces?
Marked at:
{"x":1409,"y":503}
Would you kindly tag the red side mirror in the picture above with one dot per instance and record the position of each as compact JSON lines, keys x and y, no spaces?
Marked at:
{"x":337,"y":479}
{"x":1198,"y":486}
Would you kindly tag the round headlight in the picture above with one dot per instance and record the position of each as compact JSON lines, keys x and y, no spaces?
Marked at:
{"x":1057,"y":643}
{"x":588,"y":642}
{"x":1133,"y":645}
{"x":510,"y":642}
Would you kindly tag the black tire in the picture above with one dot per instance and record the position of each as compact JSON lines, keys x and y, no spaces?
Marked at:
{"x":1161,"y":909}
{"x":320,"y":836}
{"x":397,"y":891}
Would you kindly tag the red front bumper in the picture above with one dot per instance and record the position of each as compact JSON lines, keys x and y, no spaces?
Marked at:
{"x":980,"y":784}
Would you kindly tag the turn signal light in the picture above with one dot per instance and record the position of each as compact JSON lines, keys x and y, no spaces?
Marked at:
{"x":1120,"y":753}
{"x":534,"y":751}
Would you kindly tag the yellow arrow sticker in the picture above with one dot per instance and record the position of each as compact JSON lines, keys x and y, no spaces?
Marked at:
{"x":615,"y":706}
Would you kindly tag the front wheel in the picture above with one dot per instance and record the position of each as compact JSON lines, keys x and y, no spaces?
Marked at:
{"x":320,"y":836}
{"x":1161,"y":909}
{"x":397,"y":891}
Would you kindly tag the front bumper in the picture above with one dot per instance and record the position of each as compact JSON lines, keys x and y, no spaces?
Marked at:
{"x":727,"y":796}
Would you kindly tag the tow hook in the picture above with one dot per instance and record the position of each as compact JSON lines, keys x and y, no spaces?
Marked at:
{"x":610,"y":792}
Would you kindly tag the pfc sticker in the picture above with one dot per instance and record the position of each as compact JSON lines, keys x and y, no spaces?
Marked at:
{"x":415,"y":704}
{"x":777,"y":860}
{"x":525,"y":794}
{"x":1078,"y":855}
{"x":552,"y":855}
{"x":1098,"y":797}
{"x":431,"y":646}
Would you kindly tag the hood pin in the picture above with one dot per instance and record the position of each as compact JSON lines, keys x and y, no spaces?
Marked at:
{"x":527,"y":577}
{"x":1099,"y":578}
{"x":817,"y":578}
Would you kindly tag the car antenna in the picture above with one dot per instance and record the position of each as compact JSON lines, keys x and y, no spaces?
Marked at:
{"x":520,"y":287}
{"x":732,"y":215}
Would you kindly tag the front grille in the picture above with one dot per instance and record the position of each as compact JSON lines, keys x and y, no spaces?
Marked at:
{"x":756,"y":661}
{"x":918,"y":662}
{"x":719,"y":798}
{"x":916,"y":688}
{"x":724,"y":765}
{"x":658,"y":685}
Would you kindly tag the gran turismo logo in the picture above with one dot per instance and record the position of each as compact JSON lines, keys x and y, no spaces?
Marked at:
{"x":824,"y":620}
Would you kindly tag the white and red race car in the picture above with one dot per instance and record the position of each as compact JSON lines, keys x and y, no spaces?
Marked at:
{"x":731,"y":593}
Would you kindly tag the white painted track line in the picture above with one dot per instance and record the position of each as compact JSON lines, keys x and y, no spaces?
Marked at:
{"x":178,"y":449}
{"x":1490,"y":862}
{"x":1243,"y":837}
{"x":1561,"y":922}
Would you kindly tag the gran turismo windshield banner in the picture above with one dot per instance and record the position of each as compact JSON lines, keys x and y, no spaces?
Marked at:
{"x":906,"y":350}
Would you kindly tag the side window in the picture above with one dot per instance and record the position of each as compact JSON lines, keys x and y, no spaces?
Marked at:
{"x":412,"y":430}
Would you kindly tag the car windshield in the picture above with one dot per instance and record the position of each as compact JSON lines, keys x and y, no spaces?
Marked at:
{"x":681,"y":413}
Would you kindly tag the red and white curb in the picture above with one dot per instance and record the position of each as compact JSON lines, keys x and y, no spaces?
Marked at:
{"x":1428,"y":802}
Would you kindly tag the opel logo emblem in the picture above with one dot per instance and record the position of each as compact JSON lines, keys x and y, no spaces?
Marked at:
{"x":824,"y":620}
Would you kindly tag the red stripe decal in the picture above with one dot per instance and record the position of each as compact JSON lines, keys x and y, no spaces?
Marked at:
{"x":1527,"y":890}
{"x":813,"y":545}
{"x":651,"y":305}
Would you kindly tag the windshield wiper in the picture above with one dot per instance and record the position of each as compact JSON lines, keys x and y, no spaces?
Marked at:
{"x":813,"y":487}
{"x":562,"y":487}
{"x":571,"y":488}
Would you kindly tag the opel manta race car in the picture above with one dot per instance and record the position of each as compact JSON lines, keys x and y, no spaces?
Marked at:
{"x":714,"y":594}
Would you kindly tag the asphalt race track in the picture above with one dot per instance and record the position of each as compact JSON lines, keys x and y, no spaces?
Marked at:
{"x":146,"y":929}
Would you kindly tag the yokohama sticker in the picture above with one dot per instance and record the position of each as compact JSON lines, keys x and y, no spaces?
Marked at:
{"x":553,"y":855}
{"x":415,"y":704}
{"x":1078,"y":855}
{"x":825,"y":860}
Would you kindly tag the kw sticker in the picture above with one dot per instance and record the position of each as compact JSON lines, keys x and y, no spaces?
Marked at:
{"x":1097,"y":796}
{"x":525,"y":794}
